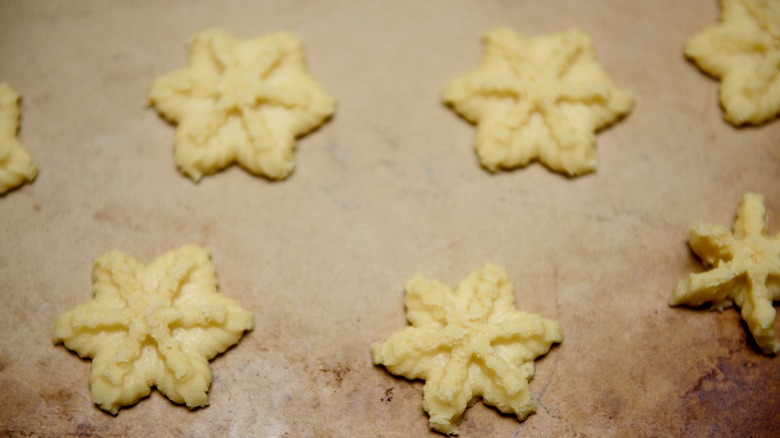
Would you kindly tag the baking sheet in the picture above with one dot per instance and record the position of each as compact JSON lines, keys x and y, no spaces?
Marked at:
{"x":390,"y":186}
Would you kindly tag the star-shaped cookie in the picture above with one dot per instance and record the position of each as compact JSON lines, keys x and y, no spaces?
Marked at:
{"x":538,"y":98}
{"x":154,"y":325}
{"x":743,"y":50}
{"x":469,"y":343}
{"x":16,"y":166}
{"x":745,"y":270}
{"x":241,"y":101}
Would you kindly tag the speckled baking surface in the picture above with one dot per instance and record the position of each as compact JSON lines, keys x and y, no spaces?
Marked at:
{"x":388,"y":187}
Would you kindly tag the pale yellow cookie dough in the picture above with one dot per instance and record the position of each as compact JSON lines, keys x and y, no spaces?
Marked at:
{"x":154,"y":325}
{"x":469,"y":343}
{"x":16,"y":166}
{"x":538,"y":98}
{"x":241,"y":101}
{"x":743,"y":50}
{"x":745,"y":270}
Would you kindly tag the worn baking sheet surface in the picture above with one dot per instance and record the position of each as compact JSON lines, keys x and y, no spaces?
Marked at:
{"x":388,"y":187}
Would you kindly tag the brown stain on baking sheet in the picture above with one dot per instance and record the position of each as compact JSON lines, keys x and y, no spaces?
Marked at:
{"x":337,"y":372}
{"x":19,"y":401}
{"x":388,"y":395}
{"x":738,"y":395}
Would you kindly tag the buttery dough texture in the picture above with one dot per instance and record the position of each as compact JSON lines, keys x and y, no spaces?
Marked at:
{"x":744,"y":52}
{"x":745,"y":270}
{"x":541,"y":97}
{"x":241,"y":101}
{"x":157,"y":324}
{"x":465,"y":344}
{"x":16,"y":166}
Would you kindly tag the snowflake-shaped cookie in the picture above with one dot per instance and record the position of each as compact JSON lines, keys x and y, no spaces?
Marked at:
{"x":541,"y":97}
{"x":465,"y":344}
{"x":744,"y":52}
{"x":16,"y":166}
{"x":746,"y":270}
{"x":157,"y":324}
{"x":241,"y":101}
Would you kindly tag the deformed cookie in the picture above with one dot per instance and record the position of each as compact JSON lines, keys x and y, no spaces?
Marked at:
{"x":538,"y":98}
{"x":745,"y":270}
{"x":743,"y":50}
{"x":154,"y":325}
{"x":469,"y":343}
{"x":16,"y":166}
{"x":241,"y":101}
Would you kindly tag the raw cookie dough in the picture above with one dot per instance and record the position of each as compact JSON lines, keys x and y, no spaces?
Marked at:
{"x":16,"y":166}
{"x":745,"y":270}
{"x":157,"y":324}
{"x":744,"y":52}
{"x":241,"y":101}
{"x":539,"y":98}
{"x":465,"y":344}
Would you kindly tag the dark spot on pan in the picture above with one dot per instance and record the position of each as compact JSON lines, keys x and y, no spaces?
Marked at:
{"x":102,"y":216}
{"x":610,"y":405}
{"x":85,"y":430}
{"x":738,"y":395}
{"x":19,"y":402}
{"x":61,"y":396}
{"x":337,"y":372}
{"x":388,"y":395}
{"x":705,"y":378}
